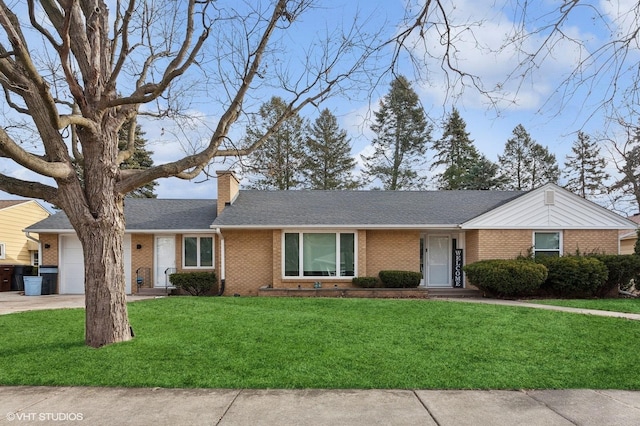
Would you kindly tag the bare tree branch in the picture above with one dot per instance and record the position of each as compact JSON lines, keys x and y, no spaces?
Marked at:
{"x":51,"y":169}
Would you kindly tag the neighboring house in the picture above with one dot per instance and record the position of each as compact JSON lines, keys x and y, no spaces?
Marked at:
{"x":628,"y":238}
{"x":295,"y":239}
{"x":162,"y":237}
{"x":15,"y":247}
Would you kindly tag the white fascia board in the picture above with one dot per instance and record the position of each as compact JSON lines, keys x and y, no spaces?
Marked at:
{"x":168,"y":231}
{"x":329,"y":226}
{"x":551,"y":227}
{"x":129,"y":231}
{"x":52,"y":231}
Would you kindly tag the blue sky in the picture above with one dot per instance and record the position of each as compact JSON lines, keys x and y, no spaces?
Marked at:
{"x":551,"y":118}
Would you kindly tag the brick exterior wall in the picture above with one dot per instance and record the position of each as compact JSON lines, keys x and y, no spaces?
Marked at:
{"x":254,"y":259}
{"x":507,"y":244}
{"x":49,"y":255}
{"x":391,"y":250}
{"x":142,"y":258}
{"x":498,"y":243}
{"x":587,"y":241}
{"x":471,"y":246}
{"x":249,"y":261}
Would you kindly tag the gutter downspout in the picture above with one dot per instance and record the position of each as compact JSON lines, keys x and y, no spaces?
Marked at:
{"x":28,"y":235}
{"x":222,"y":262}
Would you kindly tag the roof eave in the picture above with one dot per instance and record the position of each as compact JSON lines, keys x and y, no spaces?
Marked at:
{"x":342,"y":226}
{"x":129,"y":231}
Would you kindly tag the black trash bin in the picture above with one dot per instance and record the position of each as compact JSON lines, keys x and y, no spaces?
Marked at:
{"x":17,"y":283}
{"x":49,"y":276}
{"x":6,"y":275}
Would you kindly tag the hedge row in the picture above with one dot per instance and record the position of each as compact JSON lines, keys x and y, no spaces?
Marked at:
{"x":194,"y":283}
{"x":390,"y":279}
{"x":567,"y":276}
{"x":573,"y":276}
{"x":506,"y":278}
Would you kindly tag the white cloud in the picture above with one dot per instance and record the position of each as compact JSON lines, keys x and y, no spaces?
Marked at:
{"x":481,"y":47}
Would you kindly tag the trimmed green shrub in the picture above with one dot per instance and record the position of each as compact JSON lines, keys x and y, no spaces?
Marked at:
{"x":574,"y":275}
{"x":366,"y":282}
{"x":622,"y":269}
{"x":400,"y":279}
{"x":194,"y":283}
{"x":506,"y":277}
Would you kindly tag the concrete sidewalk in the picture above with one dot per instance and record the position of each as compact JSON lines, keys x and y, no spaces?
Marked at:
{"x":122,"y":406}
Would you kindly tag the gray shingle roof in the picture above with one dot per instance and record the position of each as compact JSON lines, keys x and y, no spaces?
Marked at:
{"x":348,"y":208}
{"x":150,"y":214}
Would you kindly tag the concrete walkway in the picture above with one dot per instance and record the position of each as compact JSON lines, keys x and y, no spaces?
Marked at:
{"x":122,"y":406}
{"x":532,"y":304}
{"x":27,"y":405}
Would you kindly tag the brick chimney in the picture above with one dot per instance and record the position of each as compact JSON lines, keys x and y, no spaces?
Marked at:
{"x":228,"y":186}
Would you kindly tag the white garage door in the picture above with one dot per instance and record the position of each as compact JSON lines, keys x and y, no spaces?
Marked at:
{"x":71,"y":269}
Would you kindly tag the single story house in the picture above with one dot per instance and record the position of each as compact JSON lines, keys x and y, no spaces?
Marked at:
{"x":287,"y":239}
{"x":296,"y":239}
{"x":162,"y":237}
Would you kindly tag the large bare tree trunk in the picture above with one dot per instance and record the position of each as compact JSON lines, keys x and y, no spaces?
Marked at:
{"x":100,"y":225}
{"x":107,"y":320}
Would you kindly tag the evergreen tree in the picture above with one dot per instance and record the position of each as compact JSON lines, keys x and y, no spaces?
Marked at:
{"x":276,"y":163}
{"x":629,"y":167}
{"x":526,"y":164}
{"x":401,"y":141}
{"x":585,"y":168}
{"x":141,"y":159}
{"x":455,"y":151}
{"x":484,"y":175}
{"x":328,"y":163}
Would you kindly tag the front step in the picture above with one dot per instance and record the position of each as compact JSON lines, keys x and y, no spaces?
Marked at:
{"x":454,"y":292}
{"x":155,"y":291}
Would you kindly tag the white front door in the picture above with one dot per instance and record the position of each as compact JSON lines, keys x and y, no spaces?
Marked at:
{"x":438,"y":261}
{"x":165,"y":260}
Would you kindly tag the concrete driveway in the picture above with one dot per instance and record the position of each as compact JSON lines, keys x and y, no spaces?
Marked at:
{"x":16,"y":301}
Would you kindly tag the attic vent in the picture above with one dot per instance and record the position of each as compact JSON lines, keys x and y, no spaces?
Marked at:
{"x":549,"y":197}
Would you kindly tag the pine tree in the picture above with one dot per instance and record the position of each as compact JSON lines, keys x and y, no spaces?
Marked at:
{"x":483,"y":175}
{"x":585,"y":168}
{"x":141,"y":159}
{"x":455,"y":151}
{"x":276,"y":163}
{"x":328,"y":163}
{"x":526,"y":164}
{"x":401,"y":141}
{"x":629,"y":166}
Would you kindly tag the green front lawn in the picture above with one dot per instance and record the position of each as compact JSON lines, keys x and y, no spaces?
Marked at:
{"x":616,"y":305}
{"x":325,"y":343}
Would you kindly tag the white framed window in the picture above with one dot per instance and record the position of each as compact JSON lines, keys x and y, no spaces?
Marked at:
{"x":197,"y":251}
{"x":319,"y":254}
{"x":547,"y":243}
{"x":3,"y":253}
{"x":35,"y":260}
